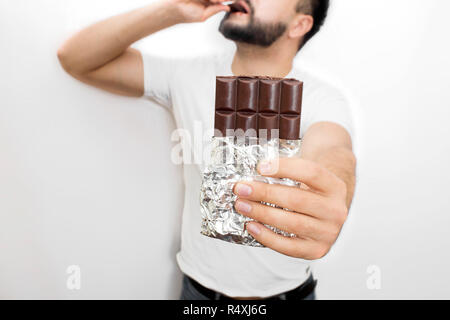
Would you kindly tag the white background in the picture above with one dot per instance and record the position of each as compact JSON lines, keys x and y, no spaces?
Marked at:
{"x":85,"y":176}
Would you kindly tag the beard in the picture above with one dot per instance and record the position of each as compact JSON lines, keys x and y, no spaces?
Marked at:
{"x":255,"y":32}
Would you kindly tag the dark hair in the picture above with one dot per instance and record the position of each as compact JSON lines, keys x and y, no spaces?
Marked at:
{"x":318,"y":9}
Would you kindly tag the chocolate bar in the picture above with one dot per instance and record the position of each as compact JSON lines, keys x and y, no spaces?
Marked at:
{"x":253,"y":104}
{"x":262,"y":107}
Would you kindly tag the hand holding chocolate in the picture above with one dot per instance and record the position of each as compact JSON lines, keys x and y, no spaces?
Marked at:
{"x":256,"y":118}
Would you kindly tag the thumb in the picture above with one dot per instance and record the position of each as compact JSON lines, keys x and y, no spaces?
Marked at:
{"x":214,"y":9}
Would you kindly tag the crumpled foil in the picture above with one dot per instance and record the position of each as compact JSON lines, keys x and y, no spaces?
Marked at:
{"x":235,"y":159}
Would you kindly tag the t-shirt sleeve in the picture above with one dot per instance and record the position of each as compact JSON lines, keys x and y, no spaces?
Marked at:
{"x":166,"y":78}
{"x":158,"y":74}
{"x":327,"y":103}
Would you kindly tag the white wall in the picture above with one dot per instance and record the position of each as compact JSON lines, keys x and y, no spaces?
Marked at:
{"x":393,"y":55}
{"x":85,"y":178}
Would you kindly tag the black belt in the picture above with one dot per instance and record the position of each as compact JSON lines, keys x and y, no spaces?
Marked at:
{"x":299,"y":293}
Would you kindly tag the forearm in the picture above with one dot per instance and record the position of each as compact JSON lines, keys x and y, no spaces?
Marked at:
{"x":342,"y":162}
{"x":330,"y":145}
{"x":100,"y":43}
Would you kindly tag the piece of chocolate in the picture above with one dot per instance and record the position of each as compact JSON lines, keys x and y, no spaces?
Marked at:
{"x":269,"y":96}
{"x":225,"y":121}
{"x":247,"y":95}
{"x":246,"y":121}
{"x":289,"y":127}
{"x":291,"y":97}
{"x":259,"y":103}
{"x":226,"y":93}
{"x":268,"y":122}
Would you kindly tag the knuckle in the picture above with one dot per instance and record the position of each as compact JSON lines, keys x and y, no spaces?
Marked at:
{"x":303,"y":226}
{"x":341,"y":213}
{"x":298,"y":227}
{"x":337,"y":212}
{"x":286,"y":163}
{"x":276,"y":218}
{"x":320,"y":252}
{"x":333,"y":233}
{"x":298,"y":252}
{"x":341,"y":185}
{"x":269,"y":216}
{"x":295,"y":200}
{"x":299,"y":199}
{"x":257,"y":211}
{"x":264,"y":191}
{"x":314,"y":171}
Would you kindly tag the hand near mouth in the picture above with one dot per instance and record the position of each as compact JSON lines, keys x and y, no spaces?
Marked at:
{"x":197,"y":10}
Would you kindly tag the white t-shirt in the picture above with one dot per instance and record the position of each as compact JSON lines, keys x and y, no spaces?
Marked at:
{"x":186,"y":86}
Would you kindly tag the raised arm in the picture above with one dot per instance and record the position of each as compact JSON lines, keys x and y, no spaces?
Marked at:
{"x":100,"y":55}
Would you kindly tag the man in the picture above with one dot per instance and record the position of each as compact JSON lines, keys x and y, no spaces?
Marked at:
{"x":268,"y":35}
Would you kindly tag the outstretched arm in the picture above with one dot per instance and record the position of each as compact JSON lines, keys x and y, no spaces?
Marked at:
{"x":319,"y":209}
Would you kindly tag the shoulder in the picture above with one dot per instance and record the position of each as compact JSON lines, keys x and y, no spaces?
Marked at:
{"x":193,"y":63}
{"x":319,"y":86}
{"x":176,"y":60}
{"x":324,"y":99}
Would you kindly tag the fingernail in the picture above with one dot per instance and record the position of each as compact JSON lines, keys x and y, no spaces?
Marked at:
{"x":243,"y":190}
{"x":253,"y":229}
{"x":242,"y":206}
{"x":265,"y":167}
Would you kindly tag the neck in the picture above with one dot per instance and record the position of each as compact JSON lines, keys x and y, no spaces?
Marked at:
{"x":251,"y":60}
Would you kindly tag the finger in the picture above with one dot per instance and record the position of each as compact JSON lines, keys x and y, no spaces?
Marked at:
{"x":302,"y":225}
{"x":291,"y":198}
{"x":294,"y":247}
{"x":214,"y":9}
{"x":306,"y":171}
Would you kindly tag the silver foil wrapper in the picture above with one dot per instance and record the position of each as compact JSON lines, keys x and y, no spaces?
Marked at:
{"x":235,"y":159}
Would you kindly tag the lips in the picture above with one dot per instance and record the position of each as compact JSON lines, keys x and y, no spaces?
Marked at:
{"x":240,"y":7}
